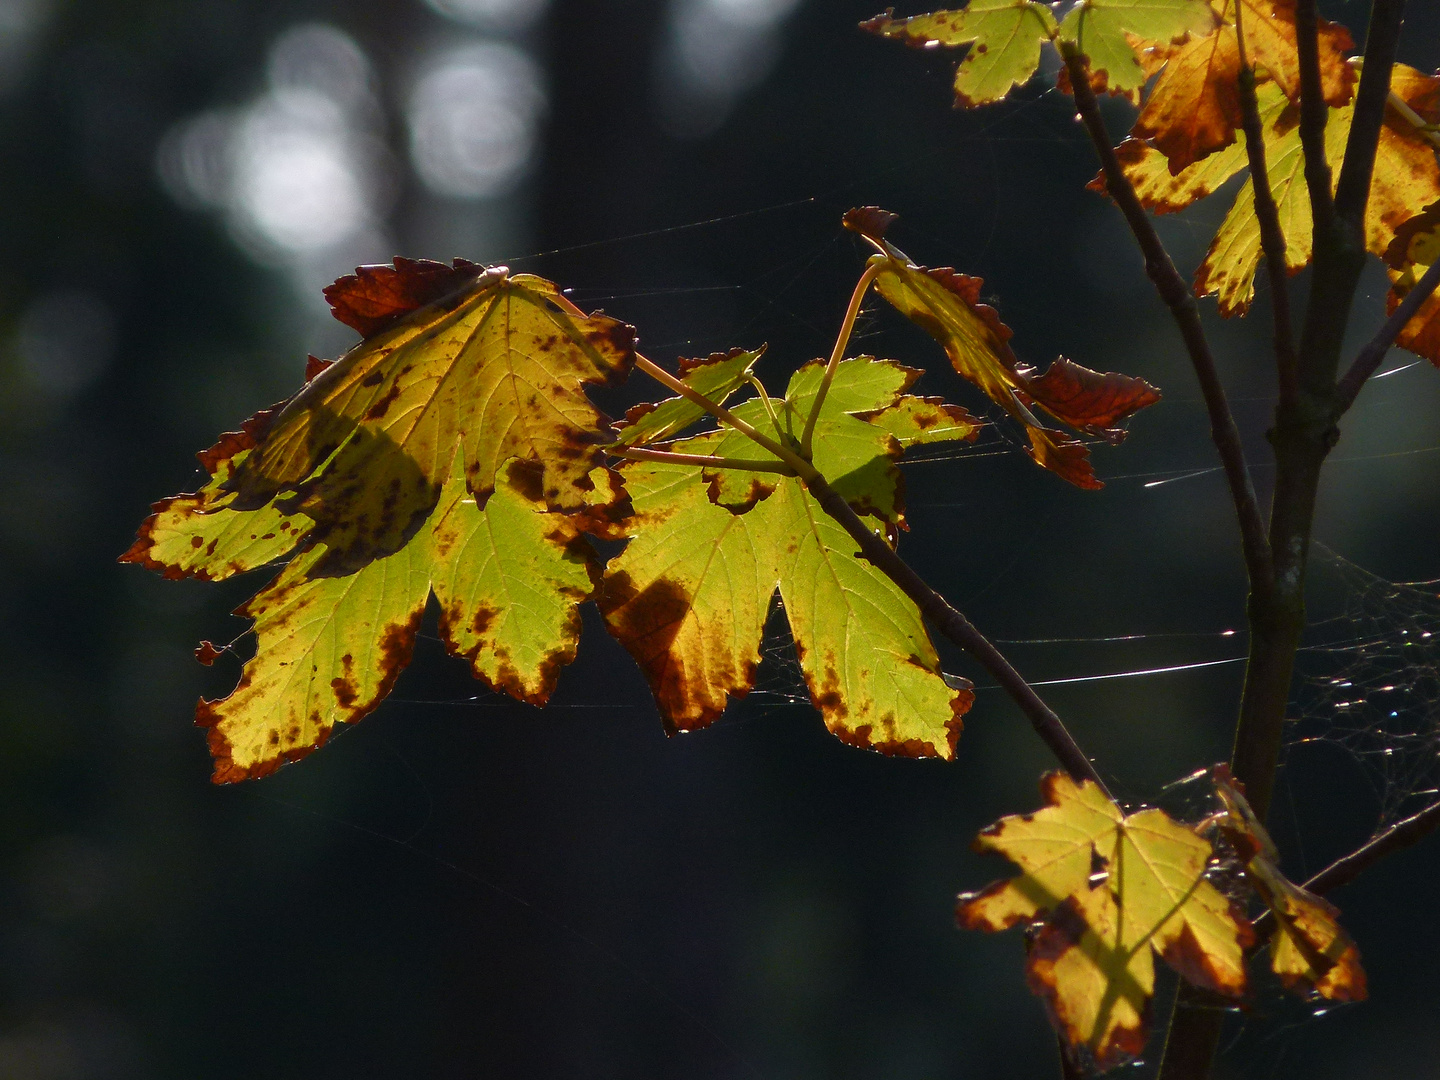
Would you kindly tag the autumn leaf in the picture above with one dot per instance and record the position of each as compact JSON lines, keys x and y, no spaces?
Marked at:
{"x":1406,"y":178}
{"x":689,"y":596}
{"x":1107,"y":890}
{"x":443,"y":453}
{"x":509,"y":580}
{"x":200,"y":535}
{"x":947,"y":306}
{"x":495,"y":362}
{"x":1194,"y":107}
{"x":1103,"y":31}
{"x":1004,"y":38}
{"x":1415,"y":249}
{"x":1310,"y":951}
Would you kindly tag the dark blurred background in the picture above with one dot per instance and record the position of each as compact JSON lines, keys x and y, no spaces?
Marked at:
{"x":463,"y":887}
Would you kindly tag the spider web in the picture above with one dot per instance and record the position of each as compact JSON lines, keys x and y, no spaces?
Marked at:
{"x":1370,"y":685}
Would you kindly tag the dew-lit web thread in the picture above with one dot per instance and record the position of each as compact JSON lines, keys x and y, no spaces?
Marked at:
{"x":1370,"y":684}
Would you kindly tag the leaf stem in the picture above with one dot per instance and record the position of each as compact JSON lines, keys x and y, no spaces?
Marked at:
{"x":1374,"y":351}
{"x":1272,"y":237}
{"x":841,"y":342}
{"x":765,"y":403}
{"x":802,"y":468}
{"x":1177,"y":297}
{"x":958,"y":629}
{"x":1313,"y":114}
{"x":1414,"y":119}
{"x":708,"y":461}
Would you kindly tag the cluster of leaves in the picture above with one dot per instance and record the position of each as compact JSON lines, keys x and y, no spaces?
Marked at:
{"x":1102,"y":892}
{"x":1181,"y":62}
{"x":454,"y":451}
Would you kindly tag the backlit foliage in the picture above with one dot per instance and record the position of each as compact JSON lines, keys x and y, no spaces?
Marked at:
{"x":455,"y":453}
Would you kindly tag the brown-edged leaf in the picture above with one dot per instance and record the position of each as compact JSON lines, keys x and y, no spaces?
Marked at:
{"x":1194,"y":107}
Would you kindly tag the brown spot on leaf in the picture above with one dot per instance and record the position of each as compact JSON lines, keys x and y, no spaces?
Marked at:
{"x":314,"y":366}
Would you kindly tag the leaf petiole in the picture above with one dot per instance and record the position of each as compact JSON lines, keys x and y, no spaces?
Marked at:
{"x":800,"y":465}
{"x":765,"y":401}
{"x":708,"y":461}
{"x":846,"y":327}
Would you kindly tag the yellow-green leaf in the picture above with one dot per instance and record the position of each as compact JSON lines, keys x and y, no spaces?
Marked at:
{"x":688,"y":598}
{"x":1150,"y":873}
{"x":1004,"y":38}
{"x":510,"y":580}
{"x":199,"y":535}
{"x":328,"y":651}
{"x":498,"y":365}
{"x":1101,"y":29}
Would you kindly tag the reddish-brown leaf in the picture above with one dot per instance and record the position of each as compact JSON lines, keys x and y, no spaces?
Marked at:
{"x":1089,"y":401}
{"x":372,"y":297}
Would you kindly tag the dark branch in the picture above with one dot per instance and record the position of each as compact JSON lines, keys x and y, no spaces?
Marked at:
{"x":958,"y":629}
{"x":1272,"y":238}
{"x":1348,"y":867}
{"x":1176,"y":294}
{"x":1374,"y":352}
{"x":1382,"y":40}
{"x":1313,"y":114}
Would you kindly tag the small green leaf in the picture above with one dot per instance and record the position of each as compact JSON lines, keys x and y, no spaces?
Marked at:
{"x":1004,"y":38}
{"x":1099,"y":29}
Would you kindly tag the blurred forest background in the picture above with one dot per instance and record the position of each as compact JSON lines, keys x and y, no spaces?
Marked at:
{"x":460,"y":886}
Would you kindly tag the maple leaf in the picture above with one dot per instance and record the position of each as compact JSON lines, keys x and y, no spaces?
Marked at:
{"x":495,"y":362}
{"x":509,"y":579}
{"x":1104,"y":31}
{"x":1310,"y":951}
{"x":1415,"y":249}
{"x":443,"y":453}
{"x":1107,"y":890}
{"x":1406,"y":177}
{"x":689,"y":595}
{"x":1004,"y":38}
{"x":1194,"y":107}
{"x":947,"y":306}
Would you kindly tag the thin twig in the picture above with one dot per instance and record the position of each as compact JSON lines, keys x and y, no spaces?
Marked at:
{"x":1348,"y":867}
{"x":838,"y":353}
{"x":959,"y":630}
{"x":1371,"y":356}
{"x":1177,"y":297}
{"x":1272,"y":237}
{"x":707,"y":461}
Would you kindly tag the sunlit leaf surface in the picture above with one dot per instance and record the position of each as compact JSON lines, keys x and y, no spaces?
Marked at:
{"x":689,"y":596}
{"x":1004,"y":38}
{"x":1108,"y":889}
